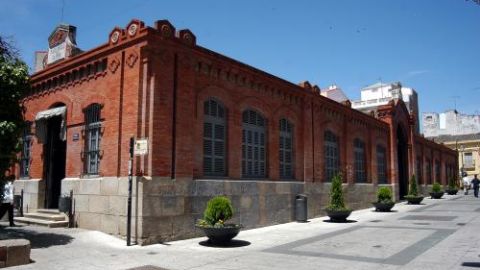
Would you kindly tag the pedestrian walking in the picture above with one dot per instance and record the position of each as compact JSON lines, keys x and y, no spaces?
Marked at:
{"x":466,"y":184}
{"x":476,"y":184}
{"x":7,"y":202}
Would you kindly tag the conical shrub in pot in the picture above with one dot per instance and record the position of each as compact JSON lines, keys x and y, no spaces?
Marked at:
{"x":336,"y":209}
{"x":413,"y":197}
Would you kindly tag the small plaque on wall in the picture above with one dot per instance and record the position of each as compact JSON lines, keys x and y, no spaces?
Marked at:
{"x":76,"y":137}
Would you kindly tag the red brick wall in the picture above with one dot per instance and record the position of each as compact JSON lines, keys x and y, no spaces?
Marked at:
{"x":155,"y":85}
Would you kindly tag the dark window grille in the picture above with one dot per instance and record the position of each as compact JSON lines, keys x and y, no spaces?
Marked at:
{"x":359,"y":154}
{"x":419,"y":170}
{"x":429,"y":171}
{"x":381,"y":164}
{"x":437,"y":171}
{"x":26,"y":151}
{"x":332,"y":155}
{"x":286,"y":149}
{"x":92,"y":139}
{"x":214,"y":139}
{"x":253,"y":145}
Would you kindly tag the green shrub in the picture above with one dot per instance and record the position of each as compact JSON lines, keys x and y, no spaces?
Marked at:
{"x":337,"y":202}
{"x":451,"y":184}
{"x":384,"y":195}
{"x":412,"y":189}
{"x":436,"y":187}
{"x":219,"y":209}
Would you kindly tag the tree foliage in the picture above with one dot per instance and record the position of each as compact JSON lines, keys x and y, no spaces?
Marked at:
{"x":13,"y":86}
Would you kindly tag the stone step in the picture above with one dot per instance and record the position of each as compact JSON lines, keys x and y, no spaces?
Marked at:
{"x":48,"y":211}
{"x":41,"y":222}
{"x":46,"y":216}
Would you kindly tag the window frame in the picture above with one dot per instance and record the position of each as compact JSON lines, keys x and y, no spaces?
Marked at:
{"x":382,"y":174}
{"x":252,"y":132}
{"x":286,"y":137}
{"x":360,"y":160}
{"x":92,"y":139}
{"x":26,"y":153}
{"x":219,"y":119}
{"x":331,"y":157}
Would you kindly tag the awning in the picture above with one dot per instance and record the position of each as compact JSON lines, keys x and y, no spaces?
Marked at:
{"x":41,"y":121}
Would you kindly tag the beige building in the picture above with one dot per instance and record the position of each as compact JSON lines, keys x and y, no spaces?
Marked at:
{"x":468,"y":147}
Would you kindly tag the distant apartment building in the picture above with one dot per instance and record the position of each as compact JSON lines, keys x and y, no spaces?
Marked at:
{"x":335,"y":93}
{"x":375,"y":95}
{"x":457,"y":131}
{"x":468,"y":147}
{"x":450,"y":123}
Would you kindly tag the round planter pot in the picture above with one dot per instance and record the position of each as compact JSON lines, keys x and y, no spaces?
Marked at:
{"x":222,"y":235}
{"x":414,"y":200}
{"x":436,"y":195}
{"x":338,"y":215}
{"x":383,"y":207}
{"x":452,"y":191}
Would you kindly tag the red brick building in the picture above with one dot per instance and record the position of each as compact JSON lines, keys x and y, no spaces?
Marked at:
{"x":214,"y":126}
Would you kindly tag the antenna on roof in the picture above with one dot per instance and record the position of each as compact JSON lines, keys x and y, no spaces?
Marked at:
{"x":455,"y":102}
{"x":63,"y":6}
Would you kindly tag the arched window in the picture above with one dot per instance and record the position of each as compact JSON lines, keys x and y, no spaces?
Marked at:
{"x":419,"y":169}
{"x":332,"y":155}
{"x":214,"y":139}
{"x":286,"y":149}
{"x":381,"y":164}
{"x":253,"y":145}
{"x":429,"y":171}
{"x":359,"y":154}
{"x":93,"y":126}
{"x":437,"y":171}
{"x":26,"y":150}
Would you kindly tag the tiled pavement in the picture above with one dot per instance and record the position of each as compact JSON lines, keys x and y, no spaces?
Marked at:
{"x":441,"y":234}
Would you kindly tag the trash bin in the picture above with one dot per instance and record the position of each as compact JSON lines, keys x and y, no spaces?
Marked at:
{"x":301,"y":208}
{"x":64,"y":204}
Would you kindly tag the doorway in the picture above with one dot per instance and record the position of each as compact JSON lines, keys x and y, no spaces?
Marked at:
{"x":402,"y":160}
{"x":54,"y":162}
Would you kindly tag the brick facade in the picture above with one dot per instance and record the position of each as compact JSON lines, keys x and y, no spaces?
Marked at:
{"x":153,"y":83}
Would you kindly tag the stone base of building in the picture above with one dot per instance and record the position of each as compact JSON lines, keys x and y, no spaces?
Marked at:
{"x":166,"y":209}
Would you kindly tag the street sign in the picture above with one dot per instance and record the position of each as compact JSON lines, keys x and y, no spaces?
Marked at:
{"x":141,"y":147}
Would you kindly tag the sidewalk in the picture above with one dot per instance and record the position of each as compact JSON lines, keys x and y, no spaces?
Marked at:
{"x":441,"y":234}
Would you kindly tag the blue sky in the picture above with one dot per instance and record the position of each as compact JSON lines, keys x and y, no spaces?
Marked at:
{"x":430,"y":45}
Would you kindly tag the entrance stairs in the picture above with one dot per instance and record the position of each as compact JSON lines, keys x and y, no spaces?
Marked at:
{"x":51,"y":218}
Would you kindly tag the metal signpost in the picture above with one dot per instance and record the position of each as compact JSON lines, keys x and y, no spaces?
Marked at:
{"x":130,"y":180}
{"x":137,"y":148}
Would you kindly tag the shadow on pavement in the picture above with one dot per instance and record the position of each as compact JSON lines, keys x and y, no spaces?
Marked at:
{"x":471,"y":264}
{"x":232,"y":244}
{"x":333,"y":221}
{"x":37,"y":239}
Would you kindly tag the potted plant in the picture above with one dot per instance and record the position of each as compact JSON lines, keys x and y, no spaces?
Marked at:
{"x":336,"y":210}
{"x":219,"y":210}
{"x":384,"y":201}
{"x":437,"y":191}
{"x":452,"y":187}
{"x":413,"y":197}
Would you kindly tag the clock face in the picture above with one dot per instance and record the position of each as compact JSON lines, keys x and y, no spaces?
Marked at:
{"x":132,"y":30}
{"x":115,"y":36}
